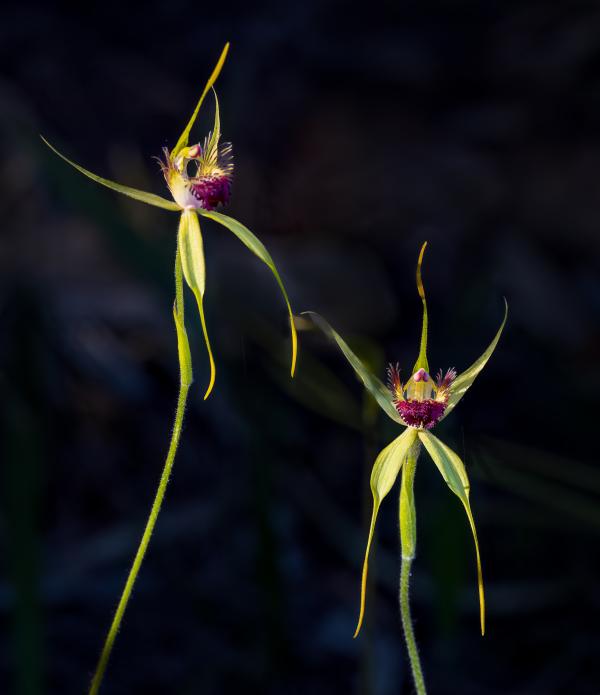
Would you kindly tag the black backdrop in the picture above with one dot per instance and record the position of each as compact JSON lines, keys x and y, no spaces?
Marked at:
{"x":358,"y":133}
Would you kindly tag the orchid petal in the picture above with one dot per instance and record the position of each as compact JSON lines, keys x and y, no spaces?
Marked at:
{"x":463,"y":381}
{"x":453,"y":471}
{"x":184,"y":137}
{"x":257,"y":247}
{"x":374,"y":386}
{"x":422,"y":362}
{"x":149,"y":198}
{"x":383,"y":476}
{"x":192,"y":261}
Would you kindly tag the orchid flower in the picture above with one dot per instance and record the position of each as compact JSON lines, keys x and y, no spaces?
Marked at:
{"x":199,"y":179}
{"x":417,"y":405}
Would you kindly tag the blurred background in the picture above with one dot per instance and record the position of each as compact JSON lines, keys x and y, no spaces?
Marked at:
{"x":358,"y":134}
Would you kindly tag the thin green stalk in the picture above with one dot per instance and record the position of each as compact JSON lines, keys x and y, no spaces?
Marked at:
{"x":408,"y":540}
{"x":185,"y":383}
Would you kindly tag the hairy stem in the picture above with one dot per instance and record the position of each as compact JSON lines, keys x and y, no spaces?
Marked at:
{"x":156,"y":505}
{"x":408,"y":539}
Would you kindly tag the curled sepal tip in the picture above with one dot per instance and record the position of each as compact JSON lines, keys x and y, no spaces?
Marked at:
{"x":191,"y":249}
{"x":422,"y":362}
{"x":384,"y":474}
{"x":184,"y":137}
{"x":453,"y":471}
{"x":255,"y":245}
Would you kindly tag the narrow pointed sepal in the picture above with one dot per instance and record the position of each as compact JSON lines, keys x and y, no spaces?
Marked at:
{"x":258,"y":248}
{"x":374,"y":386}
{"x":142,"y":196}
{"x":191,"y":249}
{"x":463,"y":381}
{"x":184,"y":137}
{"x":384,"y":474}
{"x":453,"y":471}
{"x":422,"y":362}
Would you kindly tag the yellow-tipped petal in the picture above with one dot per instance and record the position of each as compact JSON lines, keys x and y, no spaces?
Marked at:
{"x":385,"y":471}
{"x":453,"y":471}
{"x":183,"y":139}
{"x":191,"y":249}
{"x":258,"y":249}
{"x":365,"y":570}
{"x":213,"y":370}
{"x":142,"y":196}
{"x":422,"y":362}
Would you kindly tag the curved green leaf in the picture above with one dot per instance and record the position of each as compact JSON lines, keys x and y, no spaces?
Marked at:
{"x":453,"y":472}
{"x":464,"y":380}
{"x":258,"y":248}
{"x":191,"y":249}
{"x":184,"y":137}
{"x":383,"y":476}
{"x":373,"y":385}
{"x":142,"y":196}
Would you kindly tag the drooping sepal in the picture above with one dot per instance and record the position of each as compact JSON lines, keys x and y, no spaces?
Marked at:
{"x":463,"y":381}
{"x":383,"y":476}
{"x":371,"y":382}
{"x":453,"y":471}
{"x":184,"y":137}
{"x":258,"y":249}
{"x":136,"y":194}
{"x":191,"y":249}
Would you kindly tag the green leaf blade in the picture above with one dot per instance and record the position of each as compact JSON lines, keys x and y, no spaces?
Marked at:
{"x":136,"y":194}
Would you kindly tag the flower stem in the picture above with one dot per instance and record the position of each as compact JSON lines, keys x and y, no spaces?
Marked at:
{"x":408,"y":539}
{"x":156,"y":505}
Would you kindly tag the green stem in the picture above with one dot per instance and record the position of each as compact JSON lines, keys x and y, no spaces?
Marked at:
{"x":408,"y":539}
{"x":154,"y":511}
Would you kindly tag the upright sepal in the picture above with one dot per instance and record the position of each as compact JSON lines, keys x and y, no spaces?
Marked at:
{"x":184,"y":137}
{"x":422,"y":362}
{"x":384,"y":474}
{"x":258,"y":248}
{"x":374,"y":386}
{"x":142,"y":196}
{"x":463,"y":381}
{"x":191,"y":249}
{"x":453,"y":472}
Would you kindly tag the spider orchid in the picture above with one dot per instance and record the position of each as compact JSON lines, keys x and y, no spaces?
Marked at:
{"x":199,"y":179}
{"x":418,"y":405}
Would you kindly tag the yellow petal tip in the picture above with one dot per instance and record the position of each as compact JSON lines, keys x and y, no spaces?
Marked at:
{"x":294,"y":347}
{"x":211,"y":383}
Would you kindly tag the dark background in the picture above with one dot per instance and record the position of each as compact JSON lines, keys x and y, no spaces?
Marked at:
{"x":358,"y":133}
